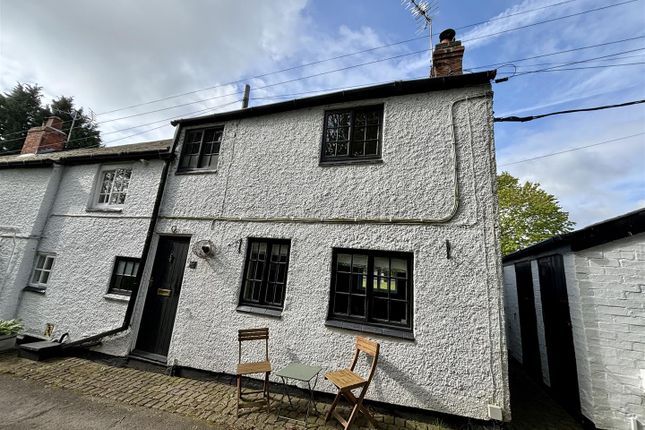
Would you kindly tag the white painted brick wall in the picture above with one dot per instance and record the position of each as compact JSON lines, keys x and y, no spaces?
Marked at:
{"x":457,"y":363}
{"x":611,"y":284}
{"x":579,"y":336}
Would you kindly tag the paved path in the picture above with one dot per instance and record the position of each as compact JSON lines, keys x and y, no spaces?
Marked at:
{"x":71,"y":393}
{"x":26,"y":404}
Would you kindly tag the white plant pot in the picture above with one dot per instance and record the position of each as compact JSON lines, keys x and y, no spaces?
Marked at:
{"x":7,"y":342}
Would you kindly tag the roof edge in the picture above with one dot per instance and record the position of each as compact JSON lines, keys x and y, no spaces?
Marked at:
{"x":596,"y":234}
{"x":395,"y":88}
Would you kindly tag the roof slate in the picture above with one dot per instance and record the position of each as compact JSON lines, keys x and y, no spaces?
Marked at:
{"x":153,"y":149}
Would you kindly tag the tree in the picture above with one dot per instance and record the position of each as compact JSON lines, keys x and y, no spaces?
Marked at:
{"x":84,"y":132}
{"x":22,"y":108}
{"x":527,"y":214}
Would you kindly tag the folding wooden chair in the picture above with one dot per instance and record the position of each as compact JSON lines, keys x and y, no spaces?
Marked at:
{"x":254,"y":367}
{"x":346,"y":381}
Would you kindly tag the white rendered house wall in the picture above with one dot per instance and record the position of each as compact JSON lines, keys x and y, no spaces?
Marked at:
{"x":269,"y":168}
{"x":85,"y":243}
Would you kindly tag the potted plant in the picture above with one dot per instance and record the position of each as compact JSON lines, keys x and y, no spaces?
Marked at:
{"x":8,"y":331}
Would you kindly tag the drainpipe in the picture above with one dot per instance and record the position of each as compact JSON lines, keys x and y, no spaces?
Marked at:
{"x":127,"y":319}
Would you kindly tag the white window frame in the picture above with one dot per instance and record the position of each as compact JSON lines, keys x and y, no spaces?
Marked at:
{"x":98,"y":183}
{"x":44,"y":272}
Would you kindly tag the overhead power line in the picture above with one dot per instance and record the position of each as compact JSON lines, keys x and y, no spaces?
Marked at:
{"x":544,"y":115}
{"x":577,"y":148}
{"x":347,"y":67}
{"x":350,"y":54}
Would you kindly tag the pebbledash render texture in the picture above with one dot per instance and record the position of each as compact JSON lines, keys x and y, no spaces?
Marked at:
{"x":430,"y":194}
{"x":604,"y":269}
{"x":49,"y":209}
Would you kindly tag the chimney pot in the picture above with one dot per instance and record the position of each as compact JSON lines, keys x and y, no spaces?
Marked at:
{"x":48,"y":137}
{"x":447,"y":36}
{"x":448,"y":54}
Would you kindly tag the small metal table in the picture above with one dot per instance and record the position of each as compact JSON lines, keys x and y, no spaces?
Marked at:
{"x":303,"y":373}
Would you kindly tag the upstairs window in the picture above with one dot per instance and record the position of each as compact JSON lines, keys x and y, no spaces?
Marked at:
{"x":124,"y":275}
{"x":113,"y":186}
{"x":201,"y":149}
{"x":372,"y":288}
{"x":42,"y":270}
{"x":352,"y":135}
{"x":265,"y":273}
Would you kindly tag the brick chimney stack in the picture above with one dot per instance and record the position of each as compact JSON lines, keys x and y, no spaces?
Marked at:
{"x":448,"y":55}
{"x":48,"y":137}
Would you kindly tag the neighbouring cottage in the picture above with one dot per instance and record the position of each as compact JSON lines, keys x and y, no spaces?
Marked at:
{"x":72,"y":229}
{"x":369,"y":212}
{"x":575,"y":312}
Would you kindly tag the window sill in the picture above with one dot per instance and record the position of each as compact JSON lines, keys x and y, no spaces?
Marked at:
{"x":33,"y":289}
{"x":364,"y":328}
{"x":196,"y":172}
{"x":117,"y":297}
{"x":106,"y":209}
{"x":259,"y":311}
{"x":332,"y":163}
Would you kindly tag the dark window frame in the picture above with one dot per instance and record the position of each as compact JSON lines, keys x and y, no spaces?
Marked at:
{"x":200,"y":153}
{"x":368,"y":320}
{"x":262,"y":303}
{"x":349,"y":159}
{"x":112,"y":289}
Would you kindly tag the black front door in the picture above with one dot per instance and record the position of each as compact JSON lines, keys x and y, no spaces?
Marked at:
{"x":160,"y":307}
{"x":557,"y":329}
{"x":528,"y":325}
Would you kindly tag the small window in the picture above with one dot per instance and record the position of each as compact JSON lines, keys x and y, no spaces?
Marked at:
{"x":265,"y":273}
{"x":42,"y":270}
{"x":352,"y":134}
{"x":201,"y":149}
{"x":112,"y":187}
{"x":124,"y":275}
{"x":372,"y":287}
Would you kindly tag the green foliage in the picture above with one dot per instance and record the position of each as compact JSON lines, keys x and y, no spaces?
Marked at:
{"x":527,"y":214}
{"x":22,"y":108}
{"x":10,"y":327}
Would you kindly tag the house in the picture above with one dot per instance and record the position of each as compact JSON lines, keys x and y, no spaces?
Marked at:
{"x":363,"y":212}
{"x":73,"y":226}
{"x":369,"y":212}
{"x":575,"y":308}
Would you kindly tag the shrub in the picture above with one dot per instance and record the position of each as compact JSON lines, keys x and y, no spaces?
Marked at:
{"x":10,"y":327}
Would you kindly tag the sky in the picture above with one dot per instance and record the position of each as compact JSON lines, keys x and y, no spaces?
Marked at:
{"x":123,"y":59}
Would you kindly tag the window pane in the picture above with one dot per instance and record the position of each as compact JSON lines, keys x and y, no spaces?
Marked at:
{"x":44,"y":277}
{"x":357,"y":148}
{"x":379,"y":308}
{"x":359,"y":264}
{"x":398,"y":311}
{"x":341,"y":303}
{"x":371,"y":147}
{"x":344,"y":263}
{"x":399,"y":268}
{"x":41,"y":261}
{"x":120,"y":268}
{"x":357,"y":306}
{"x":36,"y":277}
{"x":342,"y":282}
{"x":48,"y":262}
